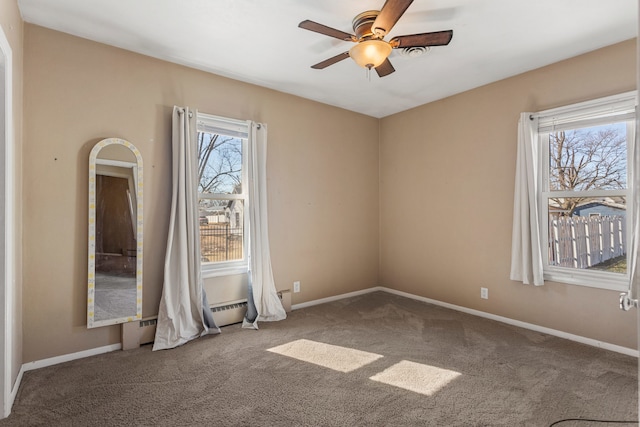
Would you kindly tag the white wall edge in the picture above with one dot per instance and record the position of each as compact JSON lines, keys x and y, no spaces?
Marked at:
{"x":518,"y":323}
{"x":69,"y":357}
{"x":6,"y":293}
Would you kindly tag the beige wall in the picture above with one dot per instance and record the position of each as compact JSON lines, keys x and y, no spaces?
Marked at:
{"x":446,"y":194}
{"x":322,"y":179}
{"x":12,"y":26}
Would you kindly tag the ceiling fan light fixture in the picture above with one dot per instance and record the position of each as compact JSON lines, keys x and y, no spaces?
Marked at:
{"x":370,"y":53}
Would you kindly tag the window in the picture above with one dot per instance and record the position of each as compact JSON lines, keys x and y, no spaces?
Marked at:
{"x":585,"y":191}
{"x":222,"y":194}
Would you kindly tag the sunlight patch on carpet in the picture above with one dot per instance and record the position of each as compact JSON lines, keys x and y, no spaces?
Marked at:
{"x":341,"y":359}
{"x":416,"y":377}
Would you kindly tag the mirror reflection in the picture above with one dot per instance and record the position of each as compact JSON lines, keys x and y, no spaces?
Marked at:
{"x":115,"y":233}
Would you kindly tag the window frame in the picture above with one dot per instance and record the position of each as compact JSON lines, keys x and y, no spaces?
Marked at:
{"x":575,"y":116}
{"x":211,"y":124}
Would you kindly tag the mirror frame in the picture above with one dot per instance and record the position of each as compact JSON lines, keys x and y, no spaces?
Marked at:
{"x":91,"y":281}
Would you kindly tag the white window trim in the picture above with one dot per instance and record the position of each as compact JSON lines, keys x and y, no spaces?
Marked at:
{"x":598,"y":111}
{"x":239,"y":129}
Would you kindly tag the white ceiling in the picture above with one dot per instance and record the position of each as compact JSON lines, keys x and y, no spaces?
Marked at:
{"x":258,"y":41}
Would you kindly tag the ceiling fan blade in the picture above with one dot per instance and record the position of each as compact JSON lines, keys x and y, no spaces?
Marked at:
{"x":438,"y":38}
{"x":385,"y":68}
{"x":391,"y":11}
{"x":327,"y":31}
{"x":330,"y":61}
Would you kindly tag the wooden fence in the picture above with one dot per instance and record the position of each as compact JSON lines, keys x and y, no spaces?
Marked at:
{"x":582,"y":242}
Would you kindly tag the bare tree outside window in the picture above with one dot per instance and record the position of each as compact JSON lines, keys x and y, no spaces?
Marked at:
{"x":219,"y":164}
{"x":587,"y":159}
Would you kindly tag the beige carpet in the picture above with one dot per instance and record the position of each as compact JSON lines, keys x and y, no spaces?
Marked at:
{"x":375,"y":360}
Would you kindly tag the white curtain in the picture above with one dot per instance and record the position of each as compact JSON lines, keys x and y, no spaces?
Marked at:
{"x":631,"y":296}
{"x":526,"y":250}
{"x":184,"y":313}
{"x":263,"y":301}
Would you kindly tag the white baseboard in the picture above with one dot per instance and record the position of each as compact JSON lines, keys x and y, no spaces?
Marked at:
{"x":336,"y":298}
{"x":14,"y":390}
{"x":518,"y":323}
{"x":69,"y":357}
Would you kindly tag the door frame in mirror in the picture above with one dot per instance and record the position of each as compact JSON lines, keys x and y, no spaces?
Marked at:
{"x":91,"y":274}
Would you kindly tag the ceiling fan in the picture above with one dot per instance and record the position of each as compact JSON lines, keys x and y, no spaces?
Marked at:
{"x":370,"y":27}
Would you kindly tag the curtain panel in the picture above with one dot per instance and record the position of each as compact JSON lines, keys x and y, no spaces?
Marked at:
{"x":184,"y":313}
{"x":263,"y":301}
{"x":630,"y":298}
{"x":526,"y":250}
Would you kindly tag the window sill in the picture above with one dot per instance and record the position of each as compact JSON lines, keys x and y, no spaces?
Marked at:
{"x":223,"y":270}
{"x":591,"y":279}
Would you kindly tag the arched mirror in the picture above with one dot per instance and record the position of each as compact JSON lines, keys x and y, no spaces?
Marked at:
{"x":115,"y":233}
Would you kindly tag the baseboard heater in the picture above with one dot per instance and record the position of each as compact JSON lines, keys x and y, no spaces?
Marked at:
{"x":135,"y":334}
{"x":230,"y":313}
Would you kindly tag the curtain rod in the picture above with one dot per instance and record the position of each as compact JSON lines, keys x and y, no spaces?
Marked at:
{"x":258,"y":125}
{"x":613,"y":102}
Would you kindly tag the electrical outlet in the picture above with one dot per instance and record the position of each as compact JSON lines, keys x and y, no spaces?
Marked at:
{"x":484,"y":293}
{"x":296,"y":286}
